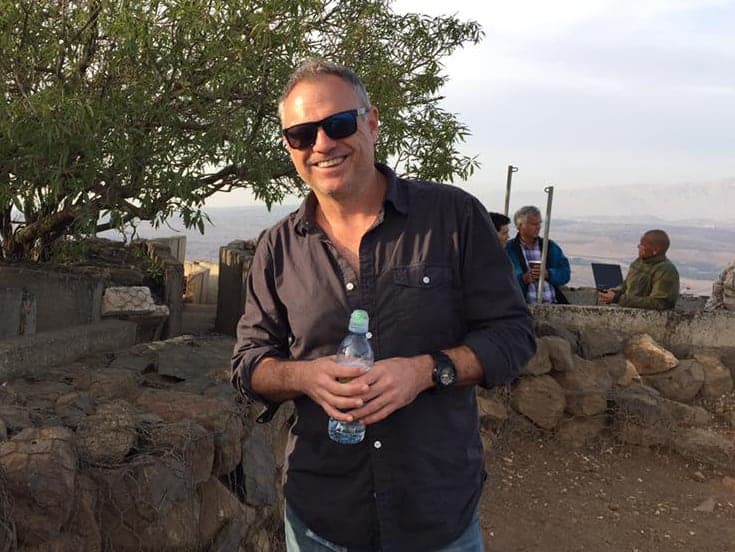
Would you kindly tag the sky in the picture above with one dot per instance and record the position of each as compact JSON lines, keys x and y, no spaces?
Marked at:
{"x":586,"y":94}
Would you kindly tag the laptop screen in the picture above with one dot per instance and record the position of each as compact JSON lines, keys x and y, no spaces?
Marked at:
{"x":607,"y":275}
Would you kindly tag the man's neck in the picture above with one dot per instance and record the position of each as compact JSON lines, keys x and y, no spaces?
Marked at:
{"x":529,"y":242}
{"x":356,"y":210}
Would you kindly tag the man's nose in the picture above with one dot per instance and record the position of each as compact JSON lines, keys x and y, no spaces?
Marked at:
{"x":323,"y":142}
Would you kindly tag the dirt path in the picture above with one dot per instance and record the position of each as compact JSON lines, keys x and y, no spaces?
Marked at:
{"x":543,"y":496}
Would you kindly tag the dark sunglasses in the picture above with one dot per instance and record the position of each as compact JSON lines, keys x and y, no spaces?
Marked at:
{"x":339,"y":125}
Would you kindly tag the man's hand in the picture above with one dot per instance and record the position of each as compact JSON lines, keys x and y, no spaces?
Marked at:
{"x":320,"y":380}
{"x":606,"y":297}
{"x":531,"y":276}
{"x":392,"y":384}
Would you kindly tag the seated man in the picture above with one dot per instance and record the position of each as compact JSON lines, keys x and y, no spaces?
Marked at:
{"x":723,"y":290}
{"x":501,"y":222}
{"x":652,"y":281}
{"x":525,"y":253}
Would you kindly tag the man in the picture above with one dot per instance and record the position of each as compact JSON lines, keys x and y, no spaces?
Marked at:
{"x":525,"y":251}
{"x":723,"y":290}
{"x":424,"y":261}
{"x":652,"y":281}
{"x":501,"y":222}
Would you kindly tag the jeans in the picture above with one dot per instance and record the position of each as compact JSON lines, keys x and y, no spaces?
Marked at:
{"x":299,"y":538}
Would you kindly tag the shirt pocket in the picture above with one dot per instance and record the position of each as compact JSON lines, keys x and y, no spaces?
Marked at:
{"x":427,"y":301}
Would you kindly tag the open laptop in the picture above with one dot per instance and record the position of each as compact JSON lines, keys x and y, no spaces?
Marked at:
{"x":607,"y":275}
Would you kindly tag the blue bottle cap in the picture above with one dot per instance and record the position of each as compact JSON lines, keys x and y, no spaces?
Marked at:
{"x":359,"y":321}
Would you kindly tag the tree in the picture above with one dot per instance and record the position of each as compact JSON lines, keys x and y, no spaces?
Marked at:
{"x":123,"y":110}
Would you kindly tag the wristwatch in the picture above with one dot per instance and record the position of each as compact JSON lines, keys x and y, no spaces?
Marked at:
{"x":445,"y":374}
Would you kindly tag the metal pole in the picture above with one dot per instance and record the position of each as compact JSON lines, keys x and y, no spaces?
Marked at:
{"x":511,"y":170}
{"x":545,"y":251}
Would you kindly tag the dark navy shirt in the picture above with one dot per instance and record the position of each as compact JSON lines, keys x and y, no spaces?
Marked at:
{"x":432,"y":276}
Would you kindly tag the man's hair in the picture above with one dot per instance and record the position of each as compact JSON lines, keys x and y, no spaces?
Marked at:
{"x":314,"y":68}
{"x":659,"y":238}
{"x":522,"y":213}
{"x":499,"y":220}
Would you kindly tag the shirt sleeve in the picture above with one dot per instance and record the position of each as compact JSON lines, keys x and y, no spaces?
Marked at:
{"x":664,"y":292}
{"x":263,"y":329}
{"x":560,"y":271}
{"x":500,"y":325}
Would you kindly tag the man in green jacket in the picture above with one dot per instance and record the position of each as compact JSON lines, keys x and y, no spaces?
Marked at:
{"x":652,"y":281}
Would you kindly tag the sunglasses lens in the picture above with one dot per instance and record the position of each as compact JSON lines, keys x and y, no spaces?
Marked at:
{"x":340,"y":125}
{"x":301,"y":136}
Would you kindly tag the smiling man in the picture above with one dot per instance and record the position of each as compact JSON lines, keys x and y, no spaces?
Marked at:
{"x":445,"y":314}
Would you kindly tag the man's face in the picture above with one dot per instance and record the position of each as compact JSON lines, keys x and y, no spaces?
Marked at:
{"x":646,"y":248}
{"x":332,"y":168}
{"x":503,"y":234}
{"x":529,"y":230}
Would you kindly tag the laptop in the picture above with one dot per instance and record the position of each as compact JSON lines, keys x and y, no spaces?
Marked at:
{"x":607,"y":275}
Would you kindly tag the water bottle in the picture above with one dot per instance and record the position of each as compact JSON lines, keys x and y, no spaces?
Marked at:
{"x":354,"y":350}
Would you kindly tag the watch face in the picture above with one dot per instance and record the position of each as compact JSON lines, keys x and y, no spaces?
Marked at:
{"x":446,"y":376}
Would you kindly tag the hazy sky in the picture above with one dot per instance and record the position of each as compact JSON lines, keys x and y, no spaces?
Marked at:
{"x":592,"y":93}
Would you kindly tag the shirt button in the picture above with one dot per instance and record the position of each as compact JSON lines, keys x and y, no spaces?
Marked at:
{"x":377,"y":444}
{"x":350,"y":286}
{"x":369,"y":335}
{"x":426,"y":279}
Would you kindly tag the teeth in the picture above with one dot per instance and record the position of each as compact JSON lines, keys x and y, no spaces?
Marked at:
{"x":330,"y":162}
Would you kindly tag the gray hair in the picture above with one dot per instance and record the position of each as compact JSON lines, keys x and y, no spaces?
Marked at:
{"x":522,"y":213}
{"x":313,"y":68}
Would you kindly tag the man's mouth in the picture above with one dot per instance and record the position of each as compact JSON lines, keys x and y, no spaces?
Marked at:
{"x":333,"y":162}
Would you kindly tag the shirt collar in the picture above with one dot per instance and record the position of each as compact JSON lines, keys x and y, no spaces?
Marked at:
{"x":395,"y":194}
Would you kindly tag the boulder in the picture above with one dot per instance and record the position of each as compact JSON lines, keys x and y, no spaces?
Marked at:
{"x":681,"y":383}
{"x":259,"y":468}
{"x":186,"y":440}
{"x":544,"y":329}
{"x":16,"y":418}
{"x":540,"y":399}
{"x":72,"y":407}
{"x":213,"y":414}
{"x":586,"y":387}
{"x":640,"y":416}
{"x":718,"y":380}
{"x":493,"y":411}
{"x":3,"y":431}
{"x":577,"y":432}
{"x":218,"y":507}
{"x":687,"y":415}
{"x":595,"y":343}
{"x":560,"y":352}
{"x":40,"y":468}
{"x":647,"y":356}
{"x":540,"y":362}
{"x":616,"y":366}
{"x":706,"y":445}
{"x":109,"y":384}
{"x":629,"y":376}
{"x":107,"y":436}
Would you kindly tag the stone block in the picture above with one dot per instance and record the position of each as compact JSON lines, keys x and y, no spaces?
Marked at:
{"x":540,"y":399}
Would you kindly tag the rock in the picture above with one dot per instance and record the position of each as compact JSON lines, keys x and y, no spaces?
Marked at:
{"x":687,"y":415}
{"x":492,"y":410}
{"x":540,"y":362}
{"x":544,"y":329}
{"x":640,"y":417}
{"x":259,"y":468}
{"x":629,"y":376}
{"x":109,"y":384}
{"x":586,"y":387}
{"x":107,"y":436}
{"x":699,"y":476}
{"x":578,"y":432}
{"x":615,"y":365}
{"x":195,"y":359}
{"x":595,"y":343}
{"x":136,"y":361}
{"x":84,"y":519}
{"x":647,"y":356}
{"x":717,"y":378}
{"x":72,"y":407}
{"x":706,"y":445}
{"x":213,"y":414}
{"x":707,"y":506}
{"x":681,"y":383}
{"x":3,"y":431}
{"x":218,"y":507}
{"x":560,"y":353}
{"x":40,"y":395}
{"x":186,"y":440}
{"x":729,"y":483}
{"x":228,"y":538}
{"x":16,"y":418}
{"x":40,"y":468}
{"x":541,"y":399}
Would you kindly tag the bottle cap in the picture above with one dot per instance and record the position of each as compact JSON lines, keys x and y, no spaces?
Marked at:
{"x":359,"y":321}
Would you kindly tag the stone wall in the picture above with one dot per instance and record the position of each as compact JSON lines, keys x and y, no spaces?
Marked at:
{"x":234,"y":264}
{"x":17,"y":313}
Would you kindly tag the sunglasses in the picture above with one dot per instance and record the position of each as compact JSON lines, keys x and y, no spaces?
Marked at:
{"x":339,"y":125}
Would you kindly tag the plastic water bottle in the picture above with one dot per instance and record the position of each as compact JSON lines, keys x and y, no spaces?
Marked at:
{"x":354,"y":350}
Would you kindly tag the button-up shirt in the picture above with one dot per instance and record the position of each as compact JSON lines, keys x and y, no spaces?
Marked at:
{"x":432,"y":275}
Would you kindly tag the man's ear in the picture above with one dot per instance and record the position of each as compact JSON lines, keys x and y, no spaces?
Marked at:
{"x":373,"y":120}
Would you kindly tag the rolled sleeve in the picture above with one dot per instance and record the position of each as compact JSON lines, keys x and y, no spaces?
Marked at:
{"x":500,"y":324}
{"x":262,"y":330}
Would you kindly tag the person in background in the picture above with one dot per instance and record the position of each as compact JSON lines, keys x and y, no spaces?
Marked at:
{"x":723,"y":290}
{"x":501,"y":223}
{"x":445,"y":315}
{"x":652,"y":281}
{"x":525,"y":251}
